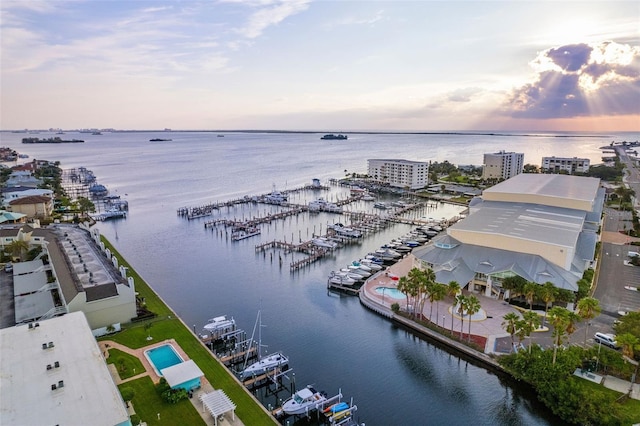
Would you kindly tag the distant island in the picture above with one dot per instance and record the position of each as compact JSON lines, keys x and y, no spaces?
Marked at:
{"x":158,"y":140}
{"x":332,"y":136}
{"x":55,"y":139}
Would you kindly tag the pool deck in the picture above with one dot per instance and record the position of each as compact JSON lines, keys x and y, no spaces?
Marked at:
{"x":205,"y":386}
{"x":487,"y":323}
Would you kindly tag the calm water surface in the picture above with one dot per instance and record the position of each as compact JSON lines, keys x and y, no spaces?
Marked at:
{"x":331,"y":340}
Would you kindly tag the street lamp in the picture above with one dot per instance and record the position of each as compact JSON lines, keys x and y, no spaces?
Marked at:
{"x":635,"y":372}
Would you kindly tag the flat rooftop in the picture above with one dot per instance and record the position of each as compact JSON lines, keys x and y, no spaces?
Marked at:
{"x":553,"y":190}
{"x":28,"y":374}
{"x":531,"y":222}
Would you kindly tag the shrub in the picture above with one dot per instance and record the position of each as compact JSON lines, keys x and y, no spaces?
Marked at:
{"x":395,"y":308}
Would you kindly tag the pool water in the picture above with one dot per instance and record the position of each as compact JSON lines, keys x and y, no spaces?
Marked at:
{"x":391,"y":292}
{"x":162,"y":357}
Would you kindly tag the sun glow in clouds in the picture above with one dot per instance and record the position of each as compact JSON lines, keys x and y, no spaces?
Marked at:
{"x":581,"y":79}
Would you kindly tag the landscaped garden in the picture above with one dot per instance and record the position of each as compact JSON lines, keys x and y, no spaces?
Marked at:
{"x":164,"y":326}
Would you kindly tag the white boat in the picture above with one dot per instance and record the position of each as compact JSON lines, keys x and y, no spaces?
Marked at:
{"x":303,"y":401}
{"x":264,"y":364}
{"x":341,"y":279}
{"x":275,"y":197}
{"x":323,"y":242}
{"x":353,"y":274}
{"x":368,"y":197}
{"x":360,"y":265}
{"x":322,"y":205}
{"x":220,"y":325}
{"x":386,"y":253}
{"x":380,"y":205}
{"x":359,"y":271}
{"x":371,"y":264}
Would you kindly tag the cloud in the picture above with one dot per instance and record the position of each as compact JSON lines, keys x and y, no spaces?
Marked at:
{"x":580,"y":80}
{"x":271,"y":13}
{"x":464,"y":94}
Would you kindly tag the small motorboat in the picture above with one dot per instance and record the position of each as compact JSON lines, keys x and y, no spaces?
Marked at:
{"x":340,"y":278}
{"x":303,"y":401}
{"x":220,"y":324}
{"x":371,"y":264}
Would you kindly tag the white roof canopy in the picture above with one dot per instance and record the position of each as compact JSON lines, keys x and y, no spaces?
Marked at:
{"x":180,"y":373}
{"x":218,"y":403}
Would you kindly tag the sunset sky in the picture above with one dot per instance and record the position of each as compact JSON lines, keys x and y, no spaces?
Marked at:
{"x":320,"y":65}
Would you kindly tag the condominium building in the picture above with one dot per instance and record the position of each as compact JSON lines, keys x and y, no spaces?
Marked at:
{"x":502,"y":165}
{"x":400,"y":173}
{"x":74,"y":272}
{"x":567,"y":164}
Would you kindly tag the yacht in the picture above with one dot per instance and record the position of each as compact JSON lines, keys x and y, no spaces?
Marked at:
{"x":264,"y":365}
{"x":275,"y":197}
{"x":324,"y":243}
{"x":220,"y":325}
{"x":341,"y":279}
{"x":380,"y":205}
{"x":303,"y":401}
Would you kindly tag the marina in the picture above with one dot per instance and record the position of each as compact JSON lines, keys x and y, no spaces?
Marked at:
{"x":203,"y":274}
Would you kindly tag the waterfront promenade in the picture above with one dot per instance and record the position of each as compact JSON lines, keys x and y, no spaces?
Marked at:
{"x":486,"y":325}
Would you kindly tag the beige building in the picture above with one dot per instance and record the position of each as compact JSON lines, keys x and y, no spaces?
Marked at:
{"x":538,"y":226}
{"x":565,"y":164}
{"x":73,"y":273}
{"x":400,"y":173}
{"x":34,"y":206}
{"x":502,"y":165}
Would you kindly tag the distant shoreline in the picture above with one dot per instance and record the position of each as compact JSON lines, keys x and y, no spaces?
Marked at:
{"x":452,"y":133}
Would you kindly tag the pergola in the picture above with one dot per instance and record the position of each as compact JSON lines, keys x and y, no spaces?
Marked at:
{"x":218,"y":403}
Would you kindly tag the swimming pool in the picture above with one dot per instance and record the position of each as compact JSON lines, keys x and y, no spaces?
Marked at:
{"x":162,"y":357}
{"x":391,"y":292}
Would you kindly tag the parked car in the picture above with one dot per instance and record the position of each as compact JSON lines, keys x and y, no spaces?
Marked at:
{"x":8,"y":267}
{"x":606,"y":339}
{"x":633,"y":254}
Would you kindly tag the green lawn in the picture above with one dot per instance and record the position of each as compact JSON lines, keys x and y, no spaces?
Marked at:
{"x":130,"y":365}
{"x":628,"y":410}
{"x":147,"y":403}
{"x":167,"y":326}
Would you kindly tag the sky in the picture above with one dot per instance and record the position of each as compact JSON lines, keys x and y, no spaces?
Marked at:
{"x":321,"y":65}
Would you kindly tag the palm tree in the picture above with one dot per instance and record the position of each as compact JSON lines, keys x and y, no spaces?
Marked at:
{"x":514,"y":284}
{"x":629,"y":343}
{"x":430,"y":283}
{"x":509,"y":325}
{"x":548,"y":293}
{"x":461,"y":300}
{"x":18,"y":248}
{"x":473,"y":306}
{"x":437,"y":294}
{"x":532,"y":321}
{"x":403,"y":286}
{"x":559,"y":318}
{"x":588,"y":308}
{"x":530,"y":290}
{"x":453,"y":288}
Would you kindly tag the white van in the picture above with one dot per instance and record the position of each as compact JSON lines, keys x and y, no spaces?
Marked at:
{"x":606,"y":339}
{"x":633,"y":254}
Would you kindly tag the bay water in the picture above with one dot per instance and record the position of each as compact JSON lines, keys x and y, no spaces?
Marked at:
{"x":394,"y":377}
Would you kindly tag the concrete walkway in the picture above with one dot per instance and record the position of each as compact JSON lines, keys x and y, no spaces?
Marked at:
{"x":205,"y":386}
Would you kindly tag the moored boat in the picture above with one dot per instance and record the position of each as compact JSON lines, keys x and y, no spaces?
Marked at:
{"x":303,"y":401}
{"x":265,"y":365}
{"x":331,"y":136}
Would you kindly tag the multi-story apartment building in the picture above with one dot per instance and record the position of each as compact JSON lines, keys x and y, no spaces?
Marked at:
{"x":569,"y":165}
{"x":400,"y":173}
{"x":502,"y":165}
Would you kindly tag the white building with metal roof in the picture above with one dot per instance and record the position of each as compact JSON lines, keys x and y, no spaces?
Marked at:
{"x":540,"y":227}
{"x":52,"y":373}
